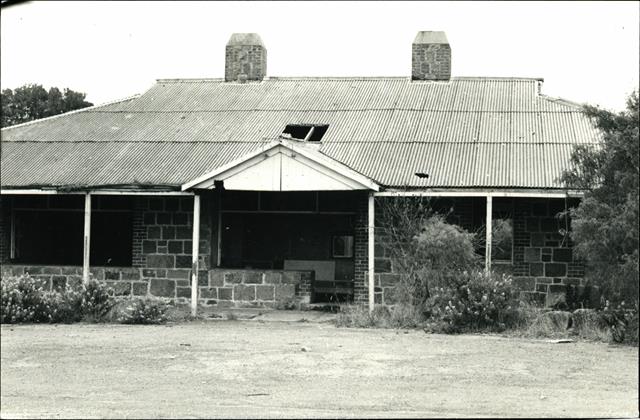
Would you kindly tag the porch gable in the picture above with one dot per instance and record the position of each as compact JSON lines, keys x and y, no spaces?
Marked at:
{"x":285,"y":166}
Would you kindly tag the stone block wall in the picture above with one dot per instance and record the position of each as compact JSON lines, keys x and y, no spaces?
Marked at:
{"x":163,"y":232}
{"x":259,"y":288}
{"x":125,"y":281}
{"x":217,"y":287}
{"x":543,"y":261}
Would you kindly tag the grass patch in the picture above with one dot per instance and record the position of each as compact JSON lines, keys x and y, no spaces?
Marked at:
{"x":397,"y":316}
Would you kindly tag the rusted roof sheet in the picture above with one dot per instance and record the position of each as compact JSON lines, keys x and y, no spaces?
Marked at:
{"x":469,"y":132}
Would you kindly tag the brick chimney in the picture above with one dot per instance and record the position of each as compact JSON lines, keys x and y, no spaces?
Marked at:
{"x":245,"y":58}
{"x":431,"y":56}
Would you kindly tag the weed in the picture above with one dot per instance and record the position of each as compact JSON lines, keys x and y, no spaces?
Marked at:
{"x":143,"y":311}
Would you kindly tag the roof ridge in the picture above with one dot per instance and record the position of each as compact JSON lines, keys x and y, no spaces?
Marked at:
{"x":563,"y":101}
{"x":328,"y":143}
{"x":344,"y":78}
{"x":75,"y":111}
{"x":343,"y":110}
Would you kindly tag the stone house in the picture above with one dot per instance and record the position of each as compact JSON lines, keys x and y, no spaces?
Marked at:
{"x":257,"y":190}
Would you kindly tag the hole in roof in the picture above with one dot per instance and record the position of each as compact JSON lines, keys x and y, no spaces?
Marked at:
{"x":304,"y":131}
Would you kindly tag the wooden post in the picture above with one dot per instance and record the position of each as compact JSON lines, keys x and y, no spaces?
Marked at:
{"x":371,"y":256}
{"x":87,"y":237}
{"x":12,"y":252}
{"x":489,"y":227}
{"x":219,"y":233}
{"x":194,"y":254}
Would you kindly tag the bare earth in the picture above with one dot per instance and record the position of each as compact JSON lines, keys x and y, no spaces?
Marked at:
{"x":285,"y":369}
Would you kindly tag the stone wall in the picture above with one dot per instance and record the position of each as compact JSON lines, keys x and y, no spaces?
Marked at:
{"x":163,"y":232}
{"x":125,"y":281}
{"x":259,"y":288}
{"x":543,"y":261}
{"x":217,"y":287}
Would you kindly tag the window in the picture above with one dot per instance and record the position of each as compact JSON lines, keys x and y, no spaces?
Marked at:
{"x":343,"y":246}
{"x":309,"y":132}
{"x":50,"y":230}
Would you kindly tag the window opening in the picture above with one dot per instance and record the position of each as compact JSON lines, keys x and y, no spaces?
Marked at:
{"x":50,"y":231}
{"x":306,"y":132}
{"x":343,"y":246}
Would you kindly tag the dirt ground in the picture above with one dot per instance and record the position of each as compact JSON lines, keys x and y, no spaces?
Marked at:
{"x":260,"y":369}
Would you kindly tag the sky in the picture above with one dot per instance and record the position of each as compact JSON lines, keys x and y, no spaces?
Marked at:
{"x":587,"y":52}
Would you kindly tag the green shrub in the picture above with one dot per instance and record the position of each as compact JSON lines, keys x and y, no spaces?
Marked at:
{"x":479,"y":302}
{"x":144,"y":311}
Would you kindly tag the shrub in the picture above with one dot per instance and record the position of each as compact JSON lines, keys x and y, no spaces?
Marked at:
{"x":64,"y":306}
{"x":22,"y":300}
{"x":445,"y":251}
{"x":144,"y":311}
{"x":424,"y":249}
{"x":25,"y":300}
{"x":96,"y":300}
{"x":479,"y":302}
{"x":622,"y":322}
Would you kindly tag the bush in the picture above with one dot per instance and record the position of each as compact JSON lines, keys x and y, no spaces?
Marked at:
{"x":25,"y":300}
{"x":622,"y":322}
{"x":22,"y":300}
{"x":144,"y":311}
{"x":97,"y":300}
{"x":479,"y":302}
{"x":64,"y":306}
{"x":446,"y":251}
{"x":424,"y":249}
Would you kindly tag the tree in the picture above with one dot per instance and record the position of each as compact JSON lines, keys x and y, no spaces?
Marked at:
{"x":605,"y":223}
{"x":425,"y":251}
{"x":31,"y":102}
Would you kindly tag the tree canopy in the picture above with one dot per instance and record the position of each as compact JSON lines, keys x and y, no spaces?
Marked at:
{"x":32,"y":101}
{"x":605,"y":224}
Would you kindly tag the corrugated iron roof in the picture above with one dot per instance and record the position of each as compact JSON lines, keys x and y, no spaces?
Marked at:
{"x":469,"y":132}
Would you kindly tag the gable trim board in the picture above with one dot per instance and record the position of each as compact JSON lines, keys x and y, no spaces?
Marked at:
{"x":284,"y":166}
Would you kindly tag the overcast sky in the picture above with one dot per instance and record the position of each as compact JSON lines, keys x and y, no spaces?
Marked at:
{"x":585,"y":51}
